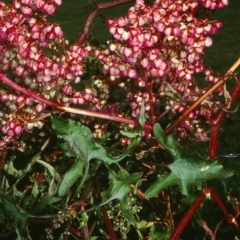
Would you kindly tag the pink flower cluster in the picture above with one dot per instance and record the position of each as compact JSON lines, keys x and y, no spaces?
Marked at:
{"x":27,"y":7}
{"x":159,"y":47}
{"x":164,"y":39}
{"x":154,"y":55}
{"x":25,"y":36}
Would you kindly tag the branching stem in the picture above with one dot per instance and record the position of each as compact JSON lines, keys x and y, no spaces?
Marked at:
{"x":216,"y":123}
{"x":207,"y":93}
{"x":206,"y":193}
{"x":63,"y":108}
{"x":93,"y":14}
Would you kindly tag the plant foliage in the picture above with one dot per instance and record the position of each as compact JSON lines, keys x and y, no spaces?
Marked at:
{"x":116,"y":136}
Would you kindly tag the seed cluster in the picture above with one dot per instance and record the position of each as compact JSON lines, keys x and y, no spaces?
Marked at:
{"x":155,"y":52}
{"x":159,"y":47}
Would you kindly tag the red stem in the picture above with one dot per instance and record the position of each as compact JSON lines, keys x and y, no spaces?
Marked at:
{"x":182,"y":224}
{"x":207,"y":191}
{"x":216,"y":122}
{"x":200,"y":99}
{"x":221,"y":205}
{"x":93,"y":14}
{"x":108,"y":222}
{"x":39,"y":221}
{"x":229,"y":217}
{"x":194,"y":105}
{"x":61,"y":107}
{"x":213,"y":144}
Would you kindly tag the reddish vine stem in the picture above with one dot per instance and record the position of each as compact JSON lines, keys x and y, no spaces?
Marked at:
{"x":213,"y":144}
{"x":149,"y":91}
{"x":182,"y":224}
{"x":61,"y":107}
{"x":151,"y":101}
{"x":108,"y":222}
{"x":230,"y":219}
{"x":207,"y":93}
{"x":216,"y":123}
{"x":206,"y":192}
{"x":93,"y":14}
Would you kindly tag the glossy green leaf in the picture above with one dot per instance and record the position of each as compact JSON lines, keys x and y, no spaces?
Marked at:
{"x":185,"y":171}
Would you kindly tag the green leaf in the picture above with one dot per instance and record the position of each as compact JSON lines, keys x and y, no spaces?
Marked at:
{"x":35,"y":190}
{"x":174,"y":148}
{"x":83,"y":219}
{"x":71,"y":176}
{"x":67,"y":149}
{"x":168,"y":142}
{"x":82,"y":143}
{"x":142,"y":118}
{"x":129,"y":134}
{"x":119,"y":187}
{"x":127,"y":207}
{"x":194,"y":172}
{"x":42,"y":204}
{"x":9,"y":168}
{"x":51,"y":169}
{"x":135,"y":190}
{"x":143,"y":224}
{"x":159,"y":134}
{"x":19,"y":215}
{"x":161,"y":183}
{"x":185,"y":171}
{"x":159,"y":232}
{"x":53,"y":187}
{"x":188,"y":172}
{"x":78,"y":137}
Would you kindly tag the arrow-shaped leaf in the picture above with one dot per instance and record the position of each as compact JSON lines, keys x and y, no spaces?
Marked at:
{"x":82,"y":143}
{"x":186,"y":173}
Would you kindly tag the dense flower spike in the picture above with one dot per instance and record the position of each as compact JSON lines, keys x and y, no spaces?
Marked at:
{"x":154,"y":55}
